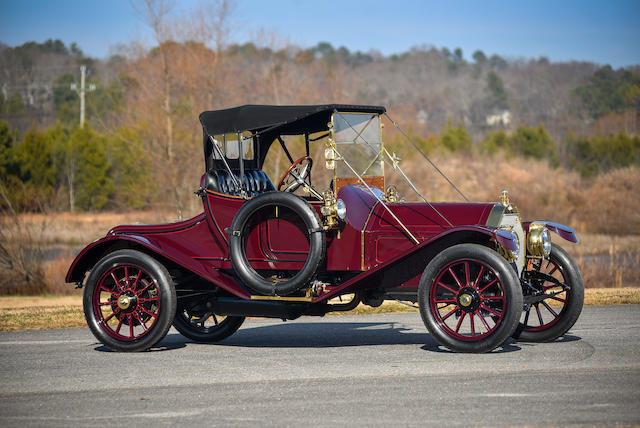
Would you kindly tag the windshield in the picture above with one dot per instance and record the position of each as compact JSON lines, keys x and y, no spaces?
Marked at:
{"x":357,"y":139}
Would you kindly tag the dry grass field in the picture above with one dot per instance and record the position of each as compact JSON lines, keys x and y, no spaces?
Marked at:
{"x":19,"y":313}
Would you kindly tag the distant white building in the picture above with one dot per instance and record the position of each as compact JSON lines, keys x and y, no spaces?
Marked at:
{"x":503,"y":118}
{"x":423,"y":116}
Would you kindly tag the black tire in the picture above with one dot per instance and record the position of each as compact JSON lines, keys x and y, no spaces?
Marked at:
{"x":129,"y":290}
{"x":317,"y":243}
{"x":473,"y":282}
{"x":550,"y":322}
{"x":194,"y":322}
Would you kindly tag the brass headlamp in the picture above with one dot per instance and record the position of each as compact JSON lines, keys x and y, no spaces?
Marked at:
{"x":538,"y":240}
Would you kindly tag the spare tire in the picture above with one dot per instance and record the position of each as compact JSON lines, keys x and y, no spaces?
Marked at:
{"x":237,"y":242}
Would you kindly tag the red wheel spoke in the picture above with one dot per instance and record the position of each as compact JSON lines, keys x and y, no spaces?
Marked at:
{"x":558,"y":299}
{"x":473,"y":329}
{"x":151,"y":299}
{"x":450,"y":313}
{"x":460,"y":321}
{"x":487,"y":286}
{"x":108,"y":290}
{"x":126,"y":277}
{"x":106,"y":303}
{"x":550,"y":309}
{"x":111,"y":316}
{"x":144,"y":327}
{"x":448,"y":288}
{"x":455,"y":278}
{"x":131,"y":333}
{"x":145,"y":288}
{"x":446,"y":301}
{"x":143,"y":309}
{"x":555,"y":268}
{"x":488,"y":309}
{"x":119,"y":325}
{"x":484,"y":322}
{"x":475,"y":284}
{"x":135,"y":283}
{"x":539,"y":315}
{"x":466,"y":274}
{"x":115,"y":280}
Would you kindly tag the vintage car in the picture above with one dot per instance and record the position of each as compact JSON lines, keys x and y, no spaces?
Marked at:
{"x":478,"y":273}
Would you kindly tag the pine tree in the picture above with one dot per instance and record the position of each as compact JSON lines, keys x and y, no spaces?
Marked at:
{"x":94,"y":185}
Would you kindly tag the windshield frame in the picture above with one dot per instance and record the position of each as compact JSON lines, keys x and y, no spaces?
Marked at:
{"x":332,"y":159}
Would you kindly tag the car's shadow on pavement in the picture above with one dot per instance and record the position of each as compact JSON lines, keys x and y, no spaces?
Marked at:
{"x":508,"y":346}
{"x":327,"y":335}
{"x":167,"y":344}
{"x":330,"y":335}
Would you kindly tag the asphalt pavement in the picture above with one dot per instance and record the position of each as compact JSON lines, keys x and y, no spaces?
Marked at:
{"x":368,"y":370}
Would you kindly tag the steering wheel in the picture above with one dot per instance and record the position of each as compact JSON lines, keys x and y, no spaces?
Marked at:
{"x":296,"y":174}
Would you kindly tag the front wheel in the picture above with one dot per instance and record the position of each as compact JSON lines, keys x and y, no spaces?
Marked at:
{"x":557,"y":286}
{"x":470,"y":298}
{"x":129,"y":301}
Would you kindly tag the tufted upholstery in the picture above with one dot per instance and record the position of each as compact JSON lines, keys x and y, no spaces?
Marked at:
{"x":255,"y":182}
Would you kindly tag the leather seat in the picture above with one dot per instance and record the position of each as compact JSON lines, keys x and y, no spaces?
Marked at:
{"x":255,"y":182}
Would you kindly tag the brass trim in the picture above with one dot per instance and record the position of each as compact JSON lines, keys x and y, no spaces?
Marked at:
{"x":285,"y":299}
{"x":364,"y":228}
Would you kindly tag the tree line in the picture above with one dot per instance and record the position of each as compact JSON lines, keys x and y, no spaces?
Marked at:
{"x":71,"y":168}
{"x":142,"y":127}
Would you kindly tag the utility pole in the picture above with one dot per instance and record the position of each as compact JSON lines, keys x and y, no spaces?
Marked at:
{"x":81,"y":91}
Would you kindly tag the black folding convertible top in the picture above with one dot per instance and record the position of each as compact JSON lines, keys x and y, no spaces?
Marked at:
{"x":292,"y":119}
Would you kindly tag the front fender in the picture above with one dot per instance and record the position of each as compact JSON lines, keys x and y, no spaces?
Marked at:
{"x":93,"y":252}
{"x":565,"y":232}
{"x":411,"y":262}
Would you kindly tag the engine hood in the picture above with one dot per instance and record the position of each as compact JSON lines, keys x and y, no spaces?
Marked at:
{"x":363,"y":209}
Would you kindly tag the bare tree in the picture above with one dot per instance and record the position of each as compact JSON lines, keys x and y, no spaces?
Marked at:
{"x":155,"y":13}
{"x":173,"y":83}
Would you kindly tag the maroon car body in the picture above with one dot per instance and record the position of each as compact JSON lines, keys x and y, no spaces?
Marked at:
{"x":381,"y":248}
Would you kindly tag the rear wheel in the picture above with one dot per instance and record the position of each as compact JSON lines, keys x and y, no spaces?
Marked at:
{"x":129,"y":301}
{"x":470,"y":298}
{"x":195,"y":321}
{"x":558,"y":278}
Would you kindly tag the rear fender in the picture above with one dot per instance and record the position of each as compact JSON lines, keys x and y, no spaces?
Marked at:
{"x":91,"y":254}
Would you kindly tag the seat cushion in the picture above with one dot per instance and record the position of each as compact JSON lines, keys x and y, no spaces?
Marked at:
{"x":255,"y":182}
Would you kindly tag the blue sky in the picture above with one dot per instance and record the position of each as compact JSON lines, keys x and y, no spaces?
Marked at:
{"x":605,"y":32}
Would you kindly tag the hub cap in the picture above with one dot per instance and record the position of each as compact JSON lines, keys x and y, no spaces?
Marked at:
{"x":126,"y":301}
